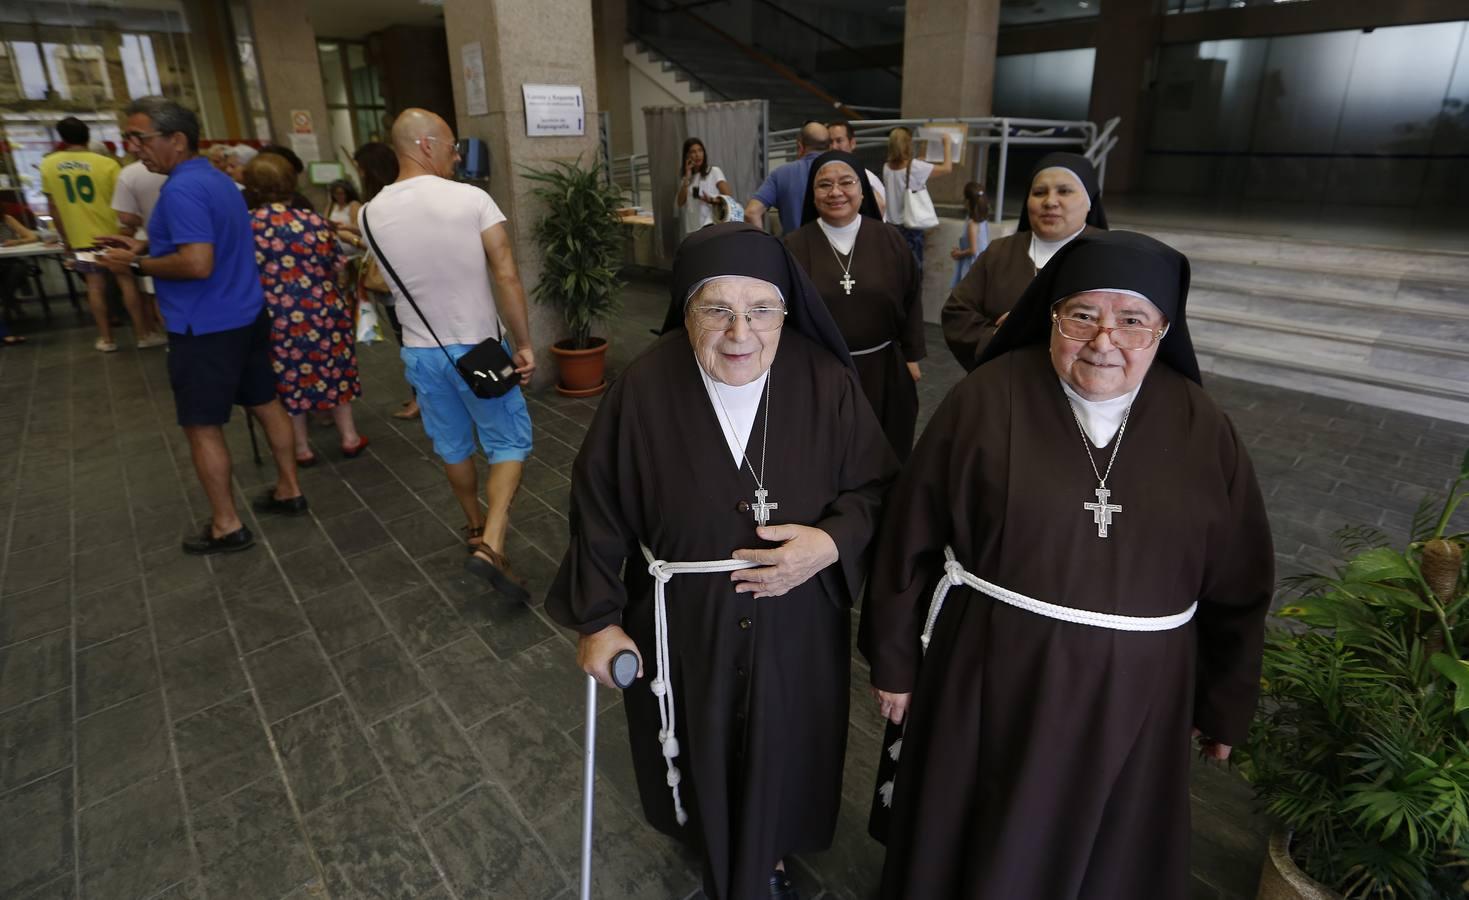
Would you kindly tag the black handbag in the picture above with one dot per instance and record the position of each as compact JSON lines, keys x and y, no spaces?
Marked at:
{"x":486,"y":368}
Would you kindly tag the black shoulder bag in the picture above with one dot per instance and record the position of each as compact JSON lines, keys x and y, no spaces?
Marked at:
{"x":486,"y":368}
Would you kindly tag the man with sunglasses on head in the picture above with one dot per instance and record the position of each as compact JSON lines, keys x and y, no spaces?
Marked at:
{"x":202,"y":259}
{"x":443,"y":241}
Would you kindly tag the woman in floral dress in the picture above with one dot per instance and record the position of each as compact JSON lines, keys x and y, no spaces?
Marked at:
{"x":312,"y":337}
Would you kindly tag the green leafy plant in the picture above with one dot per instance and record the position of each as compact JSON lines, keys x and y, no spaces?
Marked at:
{"x":582,"y":241}
{"x":1361,"y":748}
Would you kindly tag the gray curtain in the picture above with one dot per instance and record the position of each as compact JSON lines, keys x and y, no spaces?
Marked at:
{"x":731,"y":132}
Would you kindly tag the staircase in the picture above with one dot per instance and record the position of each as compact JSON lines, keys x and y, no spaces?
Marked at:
{"x":723,"y":71}
{"x":1375,"y":325}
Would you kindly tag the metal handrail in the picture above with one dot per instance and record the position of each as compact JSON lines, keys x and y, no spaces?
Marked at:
{"x":855,"y":51}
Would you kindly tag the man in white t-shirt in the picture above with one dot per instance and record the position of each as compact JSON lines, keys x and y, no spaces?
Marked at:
{"x":133,"y":200}
{"x":445,"y":240}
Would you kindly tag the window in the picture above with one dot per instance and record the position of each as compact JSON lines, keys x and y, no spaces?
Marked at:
{"x":353,"y":89}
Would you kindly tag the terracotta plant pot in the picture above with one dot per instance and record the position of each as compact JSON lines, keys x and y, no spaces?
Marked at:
{"x":582,"y":371}
{"x":1282,"y":879}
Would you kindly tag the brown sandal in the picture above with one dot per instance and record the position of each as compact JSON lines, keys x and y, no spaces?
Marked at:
{"x":472,"y":536}
{"x":495,"y":568}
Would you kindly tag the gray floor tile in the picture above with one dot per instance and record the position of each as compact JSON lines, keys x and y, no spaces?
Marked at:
{"x":549,"y":675}
{"x":29,"y":569}
{"x":508,"y":626}
{"x":292,"y":534}
{"x":470,"y":681}
{"x":421,"y":534}
{"x":40,"y":528}
{"x":355,"y":532}
{"x":201,"y":673}
{"x":35,"y":740}
{"x":121,"y":745}
{"x":367,"y":850}
{"x":488,"y":852}
{"x":133,"y":843}
{"x":534,"y":760}
{"x":290,"y":676}
{"x":311,"y":573}
{"x":110,"y":612}
{"x":629,"y":858}
{"x":24,"y":616}
{"x":170,"y":569}
{"x":36,"y":832}
{"x":263,"y":616}
{"x":426,"y":756}
{"x":35,"y":667}
{"x":387,"y":572}
{"x":185,"y":615}
{"x":96,"y":567}
{"x":380,"y":678}
{"x":423,"y":620}
{"x":344,"y":618}
{"x":250,"y":844}
{"x":324,"y":754}
{"x":390,"y":500}
{"x":221,"y":749}
{"x":115,"y":671}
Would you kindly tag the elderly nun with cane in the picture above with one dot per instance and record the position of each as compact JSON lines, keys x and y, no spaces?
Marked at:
{"x":1080,"y":546}
{"x":722,"y":508}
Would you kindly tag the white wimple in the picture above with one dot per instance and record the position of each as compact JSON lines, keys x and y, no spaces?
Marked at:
{"x":955,"y":575}
{"x":662,"y":684}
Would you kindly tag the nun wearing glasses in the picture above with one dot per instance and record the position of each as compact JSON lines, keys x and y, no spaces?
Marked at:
{"x":722,"y":508}
{"x":1069,"y":590}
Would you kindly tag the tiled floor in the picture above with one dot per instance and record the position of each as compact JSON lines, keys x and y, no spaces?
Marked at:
{"x":341,"y":712}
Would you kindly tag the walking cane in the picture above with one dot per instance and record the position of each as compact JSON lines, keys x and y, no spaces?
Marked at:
{"x":624,"y":673}
{"x":254,"y":444}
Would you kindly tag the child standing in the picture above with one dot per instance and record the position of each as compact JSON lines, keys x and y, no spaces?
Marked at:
{"x":976,"y":235}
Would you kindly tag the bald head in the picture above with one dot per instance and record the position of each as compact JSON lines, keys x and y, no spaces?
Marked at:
{"x":814,"y":138}
{"x":413,"y":125}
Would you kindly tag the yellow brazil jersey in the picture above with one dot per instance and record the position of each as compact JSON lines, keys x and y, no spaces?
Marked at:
{"x":80,"y":184}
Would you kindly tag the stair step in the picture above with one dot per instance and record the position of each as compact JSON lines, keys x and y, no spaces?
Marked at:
{"x":1334,"y":330}
{"x":1410,"y":297}
{"x":1335,"y":258}
{"x":1340,"y":366}
{"x":1404,"y":319}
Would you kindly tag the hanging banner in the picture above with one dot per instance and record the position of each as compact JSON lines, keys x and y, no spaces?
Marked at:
{"x":472,"y":64}
{"x":553,"y":110}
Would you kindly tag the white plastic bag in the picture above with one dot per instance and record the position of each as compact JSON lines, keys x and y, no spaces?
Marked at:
{"x":369,"y":329}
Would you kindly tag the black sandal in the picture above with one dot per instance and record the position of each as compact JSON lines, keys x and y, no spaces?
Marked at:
{"x":206,"y":544}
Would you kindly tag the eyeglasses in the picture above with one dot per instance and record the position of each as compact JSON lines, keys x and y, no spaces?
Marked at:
{"x":721,"y":318}
{"x":844,"y":184}
{"x":1125,"y":337}
{"x":138,"y":137}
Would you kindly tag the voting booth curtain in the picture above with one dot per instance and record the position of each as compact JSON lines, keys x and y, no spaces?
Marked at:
{"x":732,"y":133}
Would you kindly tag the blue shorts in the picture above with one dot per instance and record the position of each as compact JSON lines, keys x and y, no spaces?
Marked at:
{"x":453,"y":415}
{"x":210,"y":373}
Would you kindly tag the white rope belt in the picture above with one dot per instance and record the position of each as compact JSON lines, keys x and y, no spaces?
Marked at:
{"x":955,"y":575}
{"x":883,"y":346}
{"x":662,"y":684}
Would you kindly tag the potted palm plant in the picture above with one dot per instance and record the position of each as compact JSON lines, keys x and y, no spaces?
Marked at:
{"x":1361,"y":748}
{"x":581,"y":240}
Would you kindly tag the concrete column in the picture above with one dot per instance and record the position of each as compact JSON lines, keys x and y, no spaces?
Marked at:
{"x":1127,"y":37}
{"x":290,"y":72}
{"x":614,"y":94}
{"x":547,"y":42}
{"x":949,"y":68}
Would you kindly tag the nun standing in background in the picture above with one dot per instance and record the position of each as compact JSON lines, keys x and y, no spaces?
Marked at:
{"x":1064,"y":202}
{"x":872,"y":286}
{"x":738,"y":445}
{"x":1071,"y":580}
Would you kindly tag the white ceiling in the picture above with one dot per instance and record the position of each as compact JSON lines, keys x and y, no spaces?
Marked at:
{"x":359,"y":18}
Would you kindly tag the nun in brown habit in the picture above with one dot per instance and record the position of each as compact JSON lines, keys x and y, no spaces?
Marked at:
{"x":722,"y":507}
{"x":1064,"y":201}
{"x":1080,"y":543}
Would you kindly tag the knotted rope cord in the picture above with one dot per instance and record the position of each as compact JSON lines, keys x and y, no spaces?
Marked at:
{"x":662,"y":684}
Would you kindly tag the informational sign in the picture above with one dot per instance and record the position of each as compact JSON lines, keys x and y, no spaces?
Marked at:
{"x":306,"y":147}
{"x":554,"y":110}
{"x":301,"y":122}
{"x":934,"y":150}
{"x":325,"y":172}
{"x":472,"y":64}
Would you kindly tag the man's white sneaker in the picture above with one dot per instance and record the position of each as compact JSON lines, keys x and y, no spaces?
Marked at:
{"x":105,"y":345}
{"x":153,"y":340}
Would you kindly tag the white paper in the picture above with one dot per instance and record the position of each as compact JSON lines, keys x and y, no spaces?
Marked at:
{"x":472,"y":64}
{"x":934,"y":150}
{"x":553,"y":110}
{"x":306,"y":147}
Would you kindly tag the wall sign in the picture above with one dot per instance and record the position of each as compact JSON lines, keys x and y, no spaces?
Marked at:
{"x":553,"y":110}
{"x":472,"y":64}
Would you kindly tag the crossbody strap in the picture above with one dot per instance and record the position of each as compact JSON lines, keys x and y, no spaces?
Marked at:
{"x":393,"y":274}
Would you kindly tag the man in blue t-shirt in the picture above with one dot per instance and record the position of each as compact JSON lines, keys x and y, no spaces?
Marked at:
{"x":202,"y":259}
{"x":785,"y":188}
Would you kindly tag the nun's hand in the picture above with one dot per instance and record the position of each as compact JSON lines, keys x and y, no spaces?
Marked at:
{"x":804,"y":551}
{"x":893,"y":707}
{"x":916,"y":372}
{"x":1210,"y":749}
{"x":594,"y":653}
{"x":1001,"y":320}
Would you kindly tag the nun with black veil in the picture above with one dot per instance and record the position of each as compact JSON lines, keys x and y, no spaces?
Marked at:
{"x":866,"y":273}
{"x":722,"y":508}
{"x":1064,"y":202}
{"x":1070,"y":584}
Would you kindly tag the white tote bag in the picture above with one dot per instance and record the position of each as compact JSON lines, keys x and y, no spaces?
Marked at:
{"x":918,"y":211}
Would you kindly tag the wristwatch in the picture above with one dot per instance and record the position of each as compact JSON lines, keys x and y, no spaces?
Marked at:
{"x":137,"y":266}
